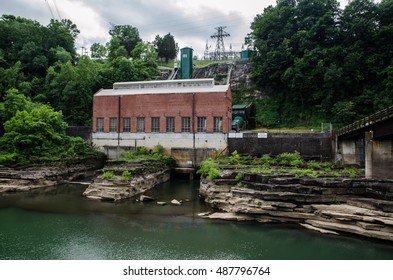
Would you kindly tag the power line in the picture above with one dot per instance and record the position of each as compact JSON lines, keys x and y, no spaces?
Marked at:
{"x":50,"y":9}
{"x":57,"y":9}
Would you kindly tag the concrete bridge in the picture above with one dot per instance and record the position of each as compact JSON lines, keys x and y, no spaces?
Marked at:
{"x":368,"y":143}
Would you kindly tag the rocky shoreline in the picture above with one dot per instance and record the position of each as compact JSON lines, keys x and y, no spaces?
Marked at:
{"x":116,"y":190}
{"x":37,"y":177}
{"x":356,"y":206}
{"x":143,"y":177}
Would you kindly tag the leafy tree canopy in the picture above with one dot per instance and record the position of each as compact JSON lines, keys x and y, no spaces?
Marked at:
{"x":317,"y":62}
{"x":166,"y":47}
{"x":34,"y":131}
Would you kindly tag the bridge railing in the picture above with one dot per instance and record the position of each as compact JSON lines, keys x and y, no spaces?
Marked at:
{"x":367,"y":121}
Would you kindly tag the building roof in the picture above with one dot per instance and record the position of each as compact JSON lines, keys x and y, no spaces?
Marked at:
{"x":240,"y":106}
{"x":163,"y":87}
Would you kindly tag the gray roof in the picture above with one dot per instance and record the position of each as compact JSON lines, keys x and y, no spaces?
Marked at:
{"x":163,"y":87}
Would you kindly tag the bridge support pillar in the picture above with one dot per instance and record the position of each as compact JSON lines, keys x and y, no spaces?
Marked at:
{"x":369,"y":154}
{"x":351,"y":151}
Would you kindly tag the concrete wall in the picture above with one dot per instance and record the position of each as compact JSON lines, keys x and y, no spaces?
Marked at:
{"x":315,"y":146}
{"x":79,"y":131}
{"x":382,"y":159}
{"x":212,"y":142}
{"x":352,"y":152}
{"x":375,"y":155}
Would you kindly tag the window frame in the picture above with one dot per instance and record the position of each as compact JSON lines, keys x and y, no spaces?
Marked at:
{"x":185,"y":124}
{"x":112,"y":124}
{"x":155,"y":124}
{"x":140,"y":124}
{"x":217,"y":124}
{"x":170,"y":124}
{"x":201,"y":124}
{"x":126,"y":127}
{"x":100,"y":124}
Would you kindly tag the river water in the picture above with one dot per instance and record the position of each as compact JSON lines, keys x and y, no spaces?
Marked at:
{"x":59,"y":223}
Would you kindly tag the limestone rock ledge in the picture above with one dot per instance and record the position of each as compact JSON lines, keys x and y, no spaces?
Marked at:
{"x":116,"y":190}
{"x":33,"y":178}
{"x":328,"y":206}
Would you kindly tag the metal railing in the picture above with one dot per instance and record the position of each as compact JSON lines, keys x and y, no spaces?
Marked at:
{"x":367,"y":121}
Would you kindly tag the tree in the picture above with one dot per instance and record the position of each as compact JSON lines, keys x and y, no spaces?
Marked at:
{"x":62,"y":33}
{"x":28,"y":49}
{"x":166,"y":47}
{"x":310,"y":56}
{"x":125,"y":37}
{"x":14,"y":102}
{"x":34,"y":132}
{"x":98,"y":51}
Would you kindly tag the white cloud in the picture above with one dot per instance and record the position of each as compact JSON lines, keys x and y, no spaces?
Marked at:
{"x":90,"y":23}
{"x":191,"y":22}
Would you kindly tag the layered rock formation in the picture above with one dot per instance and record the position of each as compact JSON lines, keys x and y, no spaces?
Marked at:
{"x":143,"y":177}
{"x":357,"y":206}
{"x":31,"y":178}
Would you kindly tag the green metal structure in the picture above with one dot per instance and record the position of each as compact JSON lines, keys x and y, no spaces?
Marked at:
{"x":243,"y":116}
{"x":186,"y":63}
{"x":245,"y":55}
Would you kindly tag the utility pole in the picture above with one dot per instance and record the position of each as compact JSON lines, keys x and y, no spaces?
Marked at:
{"x":219,"y":53}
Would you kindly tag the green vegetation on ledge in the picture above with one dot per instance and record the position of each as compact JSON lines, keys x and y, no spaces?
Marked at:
{"x":285,"y":163}
{"x":136,"y":162}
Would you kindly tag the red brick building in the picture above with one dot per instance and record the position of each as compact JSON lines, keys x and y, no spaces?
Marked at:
{"x":176,"y":114}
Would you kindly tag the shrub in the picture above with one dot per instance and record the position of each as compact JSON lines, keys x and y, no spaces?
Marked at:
{"x":350,"y":172}
{"x":158,"y":149}
{"x":213,"y":174}
{"x":126,"y":175}
{"x":78,"y":146}
{"x":239,"y":177}
{"x":108,"y":175}
{"x":265,"y":160}
{"x":209,"y":167}
{"x":289,"y":159}
{"x":8,"y":159}
{"x":206,"y":165}
{"x":234,"y":158}
{"x":141,"y":151}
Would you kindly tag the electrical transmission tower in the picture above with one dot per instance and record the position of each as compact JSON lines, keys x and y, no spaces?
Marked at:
{"x":219,"y":53}
{"x":206,"y":54}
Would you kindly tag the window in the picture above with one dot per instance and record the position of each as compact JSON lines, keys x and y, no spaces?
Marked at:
{"x":170,"y":124}
{"x":185,"y":124}
{"x":112,"y":124}
{"x":140,"y":126}
{"x":155,"y":124}
{"x":100,"y":125}
{"x":201,"y":124}
{"x":126,"y":125}
{"x":217,"y":124}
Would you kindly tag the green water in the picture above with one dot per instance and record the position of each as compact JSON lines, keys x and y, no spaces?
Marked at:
{"x":59,"y":223}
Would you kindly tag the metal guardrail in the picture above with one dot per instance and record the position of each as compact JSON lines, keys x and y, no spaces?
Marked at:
{"x":367,"y":121}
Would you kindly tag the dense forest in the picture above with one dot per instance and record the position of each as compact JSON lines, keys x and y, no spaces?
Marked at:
{"x":315,"y":62}
{"x":41,"y":63}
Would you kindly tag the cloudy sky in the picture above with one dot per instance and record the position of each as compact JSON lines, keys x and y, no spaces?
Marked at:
{"x":191,"y":22}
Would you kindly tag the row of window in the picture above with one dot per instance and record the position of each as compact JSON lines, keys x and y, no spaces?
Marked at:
{"x":155,"y":124}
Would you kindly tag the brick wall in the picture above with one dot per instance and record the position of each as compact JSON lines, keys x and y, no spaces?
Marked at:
{"x":177,"y":105}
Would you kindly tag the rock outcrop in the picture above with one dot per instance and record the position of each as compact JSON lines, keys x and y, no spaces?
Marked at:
{"x":356,"y":206}
{"x":143,"y":177}
{"x":32,"y":178}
